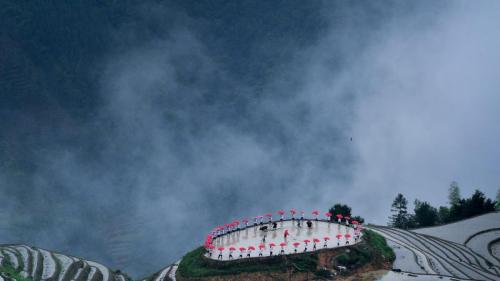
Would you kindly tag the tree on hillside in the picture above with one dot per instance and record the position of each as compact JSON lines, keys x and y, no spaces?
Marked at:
{"x":412,"y":221}
{"x":399,"y":209}
{"x":358,"y":218}
{"x":497,"y":204}
{"x":343,"y":209}
{"x":453,"y":193}
{"x":338,"y":208}
{"x":477,"y":204}
{"x":443,"y":215}
{"x":425,"y":214}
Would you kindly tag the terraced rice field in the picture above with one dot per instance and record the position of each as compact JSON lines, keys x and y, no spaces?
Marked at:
{"x":460,"y":231}
{"x":495,"y":249}
{"x":481,"y":234}
{"x":428,"y":255}
{"x":483,"y":243}
{"x":167,"y":274}
{"x":39,"y":264}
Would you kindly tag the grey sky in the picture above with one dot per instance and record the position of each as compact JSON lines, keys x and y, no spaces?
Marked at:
{"x":193,"y":124}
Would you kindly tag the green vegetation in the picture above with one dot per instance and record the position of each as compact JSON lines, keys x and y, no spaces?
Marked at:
{"x":194,"y":264}
{"x":324,"y":273}
{"x":7,"y":271}
{"x":399,"y":210}
{"x":343,"y":209}
{"x":427,"y":215}
{"x":374,"y":249}
{"x":497,"y":205}
{"x":477,"y":204}
{"x":454,"y":193}
{"x":379,"y":245}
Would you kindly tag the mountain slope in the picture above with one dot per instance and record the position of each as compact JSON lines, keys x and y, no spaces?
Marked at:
{"x":460,"y":231}
{"x":368,"y":257}
{"x":21,"y":263}
{"x":481,"y":234}
{"x":463,"y":250}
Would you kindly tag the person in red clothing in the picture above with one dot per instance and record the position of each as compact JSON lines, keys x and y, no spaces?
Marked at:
{"x":285,"y":234}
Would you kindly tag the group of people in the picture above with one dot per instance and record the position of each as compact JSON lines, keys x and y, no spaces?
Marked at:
{"x":268,"y":225}
{"x":270,"y":246}
{"x":274,"y":226}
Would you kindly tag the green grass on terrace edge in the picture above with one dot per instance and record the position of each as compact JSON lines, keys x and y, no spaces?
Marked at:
{"x":373,"y":249}
{"x":379,"y":244}
{"x":7,"y":271}
{"x":194,"y":264}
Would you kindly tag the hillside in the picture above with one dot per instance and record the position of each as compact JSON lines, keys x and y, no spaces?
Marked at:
{"x":481,"y":234}
{"x":461,"y":250}
{"x":422,"y":254}
{"x":461,"y":231}
{"x":363,"y":260}
{"x":26,"y":263}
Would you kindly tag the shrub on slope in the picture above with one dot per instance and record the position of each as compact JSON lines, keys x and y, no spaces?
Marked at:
{"x":379,"y":245}
{"x":375,"y":250}
{"x":8,"y":272}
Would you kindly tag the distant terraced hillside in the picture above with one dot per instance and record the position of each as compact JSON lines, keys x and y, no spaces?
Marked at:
{"x":461,"y":231}
{"x":464,"y":250}
{"x":166,"y":274}
{"x":481,"y":234}
{"x":21,"y":263}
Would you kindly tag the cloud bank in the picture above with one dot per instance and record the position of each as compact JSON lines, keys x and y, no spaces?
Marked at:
{"x":179,"y":142}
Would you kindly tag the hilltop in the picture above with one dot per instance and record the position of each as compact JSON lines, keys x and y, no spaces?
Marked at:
{"x":367,"y":256}
{"x":464,"y":250}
